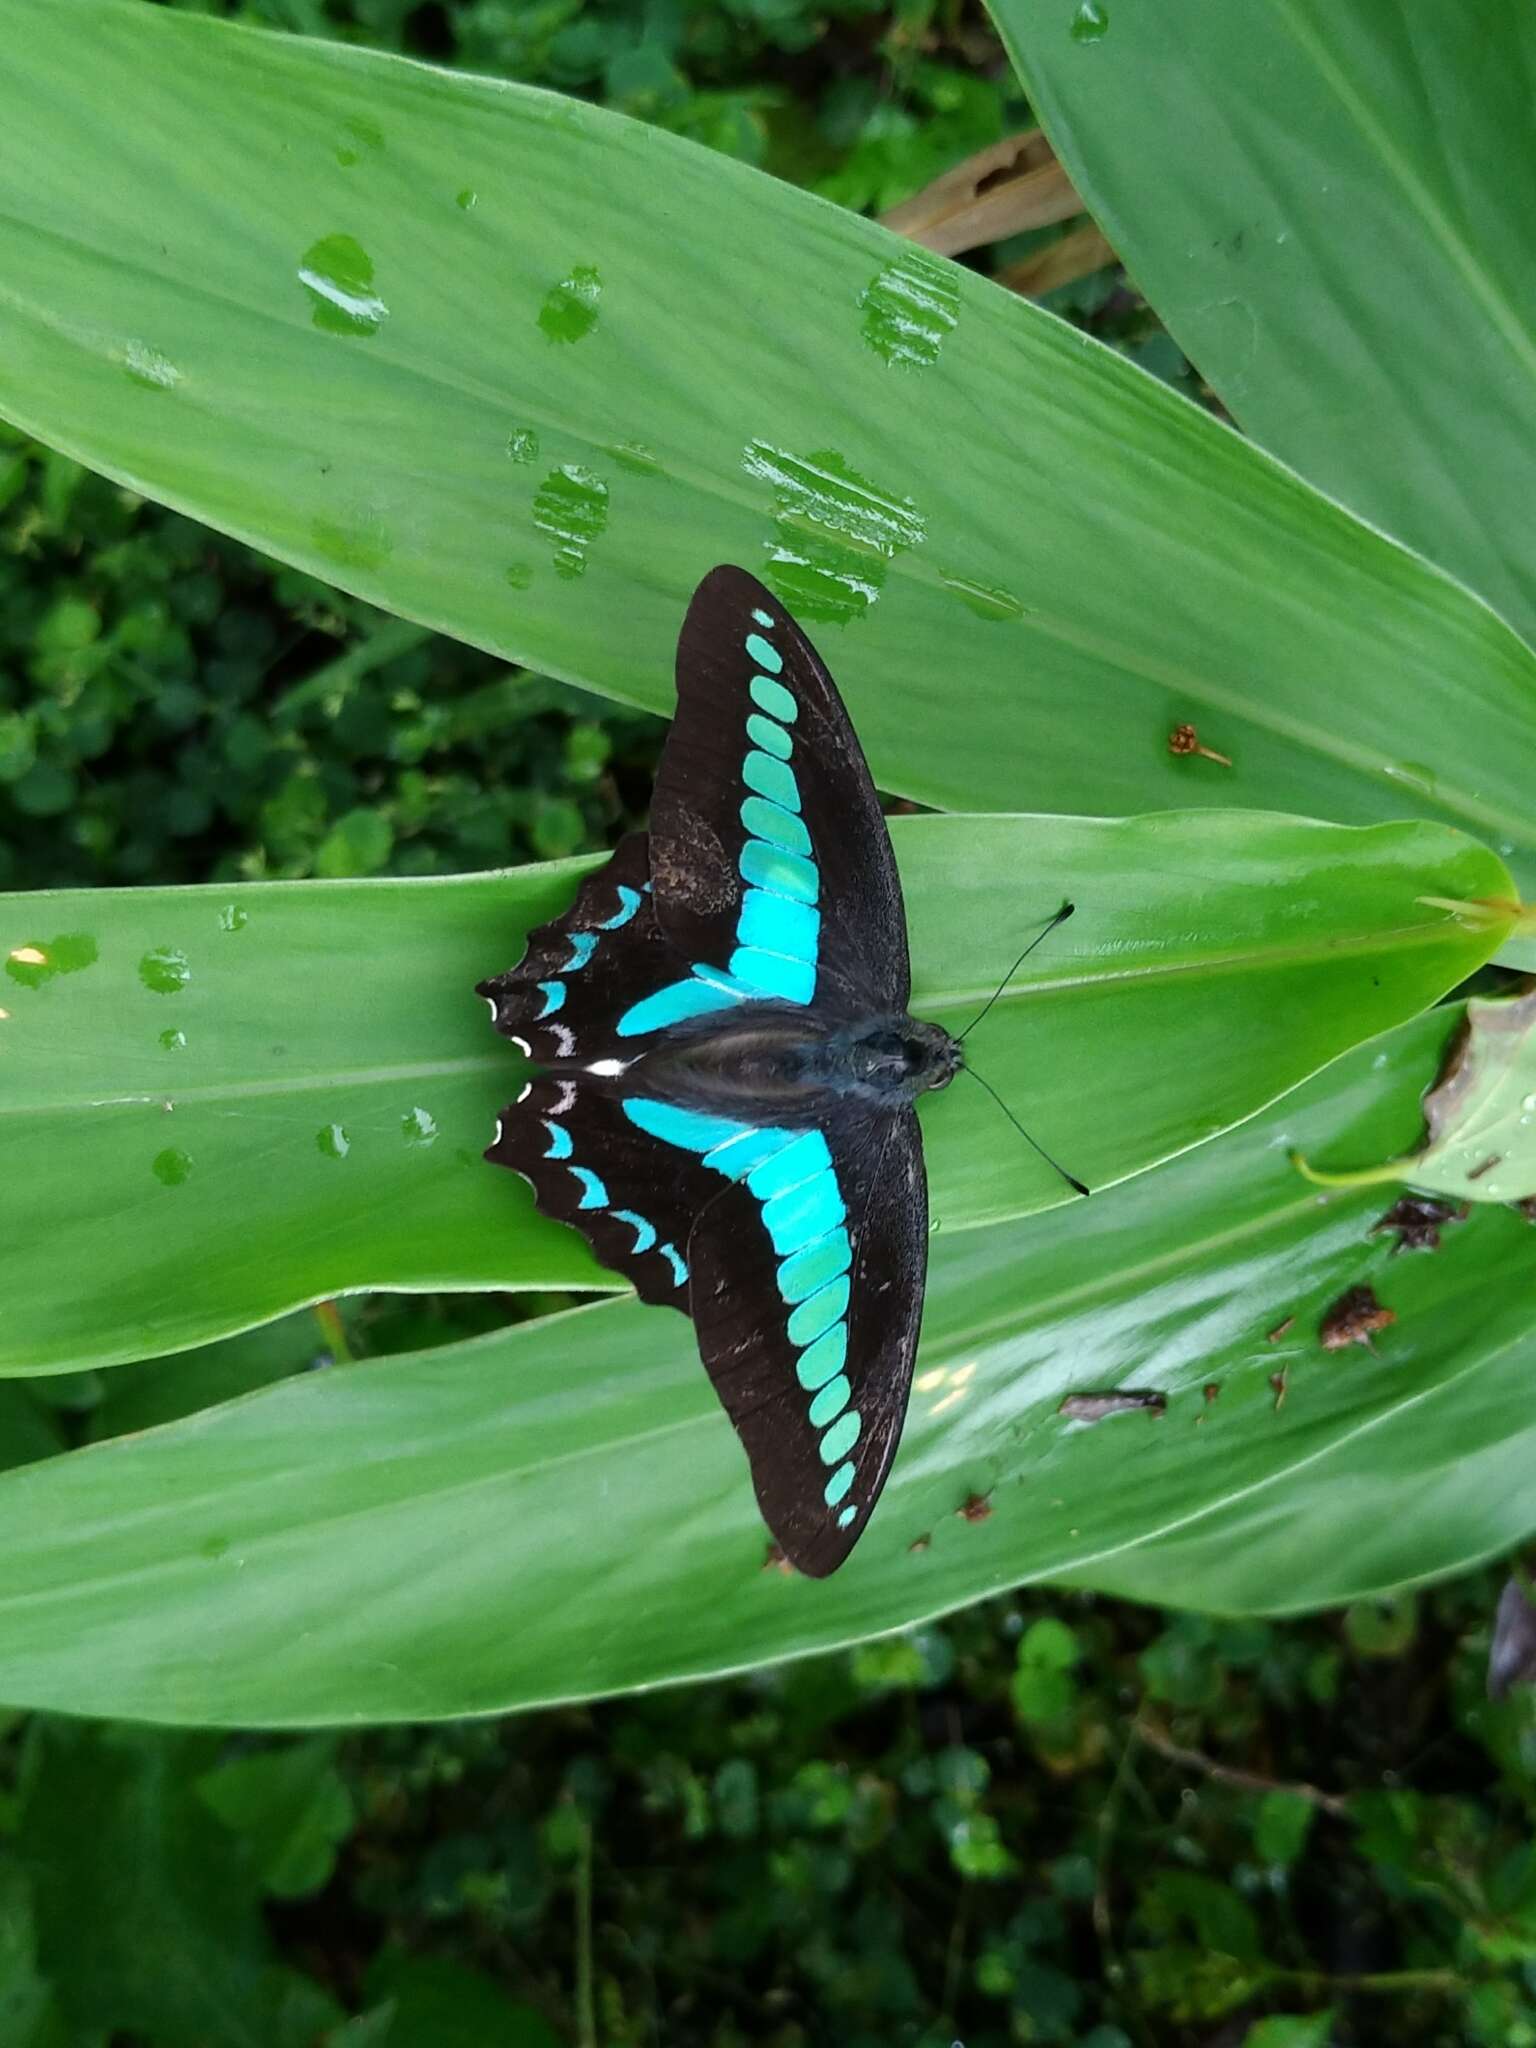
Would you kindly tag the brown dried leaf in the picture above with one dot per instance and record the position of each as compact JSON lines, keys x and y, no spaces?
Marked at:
{"x":1002,"y":190}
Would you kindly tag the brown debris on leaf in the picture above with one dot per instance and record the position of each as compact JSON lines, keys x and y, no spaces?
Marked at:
{"x":1273,"y":1336}
{"x":1281,"y":1383}
{"x":1512,"y":1653}
{"x":1419,"y":1220}
{"x":976,"y":1507}
{"x":774,"y":1560}
{"x":1354,"y":1319}
{"x":1118,"y":1401}
{"x":918,"y":1545}
{"x":1185,"y":739}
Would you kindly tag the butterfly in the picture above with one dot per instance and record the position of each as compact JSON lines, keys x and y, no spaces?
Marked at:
{"x":728,"y":1069}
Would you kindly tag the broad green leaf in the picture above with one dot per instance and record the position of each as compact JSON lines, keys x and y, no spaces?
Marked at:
{"x":561,"y":1510}
{"x":1331,"y":209}
{"x":117,"y":1844}
{"x":220,"y":1103}
{"x":292,"y":1807}
{"x":1480,"y":1117}
{"x":523,"y":370}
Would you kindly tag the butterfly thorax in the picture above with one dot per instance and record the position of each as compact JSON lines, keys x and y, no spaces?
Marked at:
{"x":783,"y":1060}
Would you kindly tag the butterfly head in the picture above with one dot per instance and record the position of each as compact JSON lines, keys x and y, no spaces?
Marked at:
{"x":902,"y":1057}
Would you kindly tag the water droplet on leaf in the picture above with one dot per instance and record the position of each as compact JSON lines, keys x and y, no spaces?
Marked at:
{"x":835,"y":532}
{"x":418,"y":1127}
{"x":333,"y":1141}
{"x":1090,"y":24}
{"x":149,"y":369}
{"x":987,"y":601}
{"x":910,"y":308}
{"x":572,"y":509}
{"x":165,"y":970}
{"x":337,"y":273}
{"x":233,"y":919}
{"x":523,"y":444}
{"x":173,"y":1041}
{"x":171,"y":1167}
{"x":569,"y":311}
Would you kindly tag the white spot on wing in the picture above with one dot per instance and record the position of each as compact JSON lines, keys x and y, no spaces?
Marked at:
{"x":490,"y":1004}
{"x":523,"y":1046}
{"x":567,"y":1097}
{"x":525,"y":1091}
{"x":565,"y":1040}
{"x":608,"y":1069}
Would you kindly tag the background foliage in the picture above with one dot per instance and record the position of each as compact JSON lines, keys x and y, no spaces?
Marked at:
{"x":1053,"y":1821}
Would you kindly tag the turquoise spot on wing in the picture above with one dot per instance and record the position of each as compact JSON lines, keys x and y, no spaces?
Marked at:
{"x":762,"y":618}
{"x":688,"y":1128}
{"x":841,"y":1438}
{"x":824,"y":1359}
{"x":672,"y":1004}
{"x":768,"y":734}
{"x":837,"y":1486}
{"x":773,"y":698}
{"x":772,"y":779}
{"x":770,"y":974}
{"x":785,"y":874}
{"x":594,"y":1192}
{"x":775,"y":924}
{"x":779,"y":827}
{"x":553,"y":993}
{"x":675,"y":1260}
{"x":764,"y":653}
{"x":645,"y":1233}
{"x":818,"y":1313}
{"x":809,"y":1271}
{"x":738,"y":1156}
{"x":793,"y":1165}
{"x":583,"y":945}
{"x":849,"y":1514}
{"x":559,"y":1146}
{"x":830,"y":1402}
{"x":804,"y":1214}
{"x":629,"y":903}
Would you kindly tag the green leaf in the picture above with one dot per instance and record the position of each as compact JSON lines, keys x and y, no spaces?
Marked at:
{"x":281,"y":1092}
{"x":293,"y":1808}
{"x":1292,"y":2030}
{"x":1480,"y":1115}
{"x":328,"y":1549}
{"x":1281,"y":1826}
{"x":117,"y":1844}
{"x":29,"y":2015}
{"x":1331,"y":211}
{"x":443,"y":2004}
{"x":439,"y":407}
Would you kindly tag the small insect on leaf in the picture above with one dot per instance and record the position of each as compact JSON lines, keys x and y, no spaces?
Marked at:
{"x":1121,"y":1401}
{"x":1354,"y":1319}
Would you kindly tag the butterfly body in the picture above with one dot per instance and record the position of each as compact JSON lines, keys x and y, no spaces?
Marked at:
{"x":729,"y":1067}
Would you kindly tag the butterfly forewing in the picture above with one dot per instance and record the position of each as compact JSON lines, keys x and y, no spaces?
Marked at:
{"x":767,"y":841}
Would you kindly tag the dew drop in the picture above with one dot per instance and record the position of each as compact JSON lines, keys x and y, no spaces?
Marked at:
{"x":165,"y":970}
{"x":337,"y":273}
{"x":986,"y":600}
{"x":911,"y":308}
{"x":214,"y":1546}
{"x":635,"y":457}
{"x":173,"y":1041}
{"x":1415,"y":774}
{"x":171,"y":1167}
{"x":835,"y":532}
{"x":362,"y":131}
{"x":571,"y":508}
{"x":518,"y":575}
{"x":233,"y":919}
{"x":149,"y":369}
{"x":523,"y":444}
{"x":417,"y":1127}
{"x":1090,"y":24}
{"x":40,"y":960}
{"x":333,"y":1141}
{"x":569,"y":311}
{"x":467,"y":199}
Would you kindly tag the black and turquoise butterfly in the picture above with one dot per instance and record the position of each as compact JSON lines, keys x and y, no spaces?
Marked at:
{"x":725,"y":1109}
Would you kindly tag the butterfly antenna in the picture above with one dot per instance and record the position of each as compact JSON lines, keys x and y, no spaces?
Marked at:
{"x":1071,"y":1179}
{"x":1061,"y":917}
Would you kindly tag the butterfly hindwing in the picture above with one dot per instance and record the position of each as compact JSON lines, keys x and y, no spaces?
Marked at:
{"x":768,"y":850}
{"x":589,"y":1165}
{"x":806,"y":1288}
{"x":581,"y":970}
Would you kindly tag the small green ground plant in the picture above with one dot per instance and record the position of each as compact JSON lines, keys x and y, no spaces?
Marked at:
{"x":435,"y":346}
